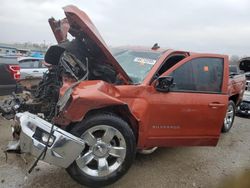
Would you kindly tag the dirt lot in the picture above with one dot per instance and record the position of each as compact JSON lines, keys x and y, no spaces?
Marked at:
{"x":167,"y":167}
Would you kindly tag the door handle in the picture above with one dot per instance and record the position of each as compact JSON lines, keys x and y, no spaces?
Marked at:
{"x":35,"y":71}
{"x":216,"y":105}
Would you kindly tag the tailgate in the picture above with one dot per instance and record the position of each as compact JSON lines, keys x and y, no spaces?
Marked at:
{"x":7,"y":81}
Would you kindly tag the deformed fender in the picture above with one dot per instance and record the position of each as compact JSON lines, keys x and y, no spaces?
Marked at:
{"x":91,"y":95}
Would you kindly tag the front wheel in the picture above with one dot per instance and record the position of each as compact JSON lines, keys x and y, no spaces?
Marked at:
{"x":229,"y":118}
{"x":109,"y":150}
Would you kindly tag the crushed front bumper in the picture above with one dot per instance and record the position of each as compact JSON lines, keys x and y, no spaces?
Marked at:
{"x":63,"y":149}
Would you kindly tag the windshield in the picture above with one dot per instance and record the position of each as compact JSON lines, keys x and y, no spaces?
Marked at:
{"x":136,"y":63}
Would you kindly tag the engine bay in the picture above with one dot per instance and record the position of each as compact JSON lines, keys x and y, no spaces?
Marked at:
{"x":71,"y":60}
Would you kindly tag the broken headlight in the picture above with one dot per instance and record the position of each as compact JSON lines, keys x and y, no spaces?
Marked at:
{"x":43,"y":136}
{"x":46,"y":139}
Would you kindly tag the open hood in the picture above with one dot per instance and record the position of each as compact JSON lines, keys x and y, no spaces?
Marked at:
{"x":78,"y":24}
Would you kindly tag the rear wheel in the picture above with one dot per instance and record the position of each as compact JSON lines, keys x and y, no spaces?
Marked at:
{"x":229,"y":118}
{"x":109,"y":150}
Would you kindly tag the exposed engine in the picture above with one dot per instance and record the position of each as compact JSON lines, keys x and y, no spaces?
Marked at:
{"x":73,"y":60}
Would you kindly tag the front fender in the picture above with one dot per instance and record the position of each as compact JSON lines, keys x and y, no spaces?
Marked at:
{"x":89,"y":95}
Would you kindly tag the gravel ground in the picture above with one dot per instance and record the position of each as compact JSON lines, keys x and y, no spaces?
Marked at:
{"x":167,"y":167}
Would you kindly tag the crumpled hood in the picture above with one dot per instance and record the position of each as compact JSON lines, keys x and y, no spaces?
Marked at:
{"x":78,"y":24}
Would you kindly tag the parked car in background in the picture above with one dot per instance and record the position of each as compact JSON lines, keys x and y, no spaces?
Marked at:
{"x":244,"y":107}
{"x":14,"y":72}
{"x":9,"y":74}
{"x":31,"y":67}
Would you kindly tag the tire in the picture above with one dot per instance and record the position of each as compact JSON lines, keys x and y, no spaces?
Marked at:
{"x":109,"y":150}
{"x":229,"y":118}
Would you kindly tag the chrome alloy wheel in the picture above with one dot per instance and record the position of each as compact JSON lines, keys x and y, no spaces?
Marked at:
{"x":104,"y":152}
{"x":228,"y":120}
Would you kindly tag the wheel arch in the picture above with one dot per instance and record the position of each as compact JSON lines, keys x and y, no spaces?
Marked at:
{"x":121,"y":111}
{"x":235,"y":99}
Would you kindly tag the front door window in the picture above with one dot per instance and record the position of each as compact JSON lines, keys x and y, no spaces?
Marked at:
{"x":204,"y":75}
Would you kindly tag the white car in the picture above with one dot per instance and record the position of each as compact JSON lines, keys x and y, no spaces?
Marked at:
{"x":244,"y":107}
{"x":31,"y":67}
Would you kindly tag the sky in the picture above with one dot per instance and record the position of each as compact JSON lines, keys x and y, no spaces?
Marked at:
{"x":214,"y":26}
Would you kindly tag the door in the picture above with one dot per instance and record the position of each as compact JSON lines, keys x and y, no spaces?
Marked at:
{"x":192,"y":112}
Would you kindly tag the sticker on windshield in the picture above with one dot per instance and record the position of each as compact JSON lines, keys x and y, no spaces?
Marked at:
{"x":144,"y":61}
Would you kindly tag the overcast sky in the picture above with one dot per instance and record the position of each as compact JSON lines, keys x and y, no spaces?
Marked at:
{"x":219,"y":26}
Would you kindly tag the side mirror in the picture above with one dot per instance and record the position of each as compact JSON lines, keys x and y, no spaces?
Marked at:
{"x":163,"y":84}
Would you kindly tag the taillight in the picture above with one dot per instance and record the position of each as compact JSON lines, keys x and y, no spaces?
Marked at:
{"x":15,"y":71}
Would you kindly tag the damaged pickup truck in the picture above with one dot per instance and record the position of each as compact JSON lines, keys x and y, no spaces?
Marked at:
{"x":93,"y":110}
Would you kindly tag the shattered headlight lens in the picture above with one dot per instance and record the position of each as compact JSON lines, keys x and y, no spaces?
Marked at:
{"x":43,"y":137}
{"x":64,"y":99}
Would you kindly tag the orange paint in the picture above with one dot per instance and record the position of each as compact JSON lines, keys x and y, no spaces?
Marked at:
{"x":205,"y":68}
{"x":158,"y":118}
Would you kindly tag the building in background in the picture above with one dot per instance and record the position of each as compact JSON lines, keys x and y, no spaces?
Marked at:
{"x":7,"y":50}
{"x":20,"y":50}
{"x":23,"y":52}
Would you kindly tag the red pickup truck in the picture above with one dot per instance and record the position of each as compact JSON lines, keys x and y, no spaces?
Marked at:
{"x":9,"y":75}
{"x":106,"y":107}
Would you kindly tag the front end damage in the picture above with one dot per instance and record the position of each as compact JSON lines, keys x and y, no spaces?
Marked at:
{"x":86,"y":57}
{"x":62,"y":147}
